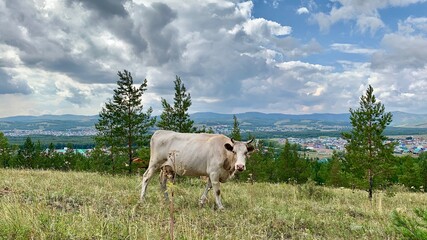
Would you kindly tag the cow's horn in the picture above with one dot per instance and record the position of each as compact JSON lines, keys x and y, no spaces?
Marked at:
{"x":248,"y":142}
{"x":232,"y":140}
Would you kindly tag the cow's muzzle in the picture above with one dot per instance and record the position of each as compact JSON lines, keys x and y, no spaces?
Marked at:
{"x":240,"y":167}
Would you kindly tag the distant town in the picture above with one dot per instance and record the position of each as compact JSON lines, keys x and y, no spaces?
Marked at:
{"x":323,"y":146}
{"x":318,"y":133}
{"x":76,"y":132}
{"x":326,"y":145}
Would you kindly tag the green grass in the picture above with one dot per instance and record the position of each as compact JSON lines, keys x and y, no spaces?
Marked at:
{"x":74,"y":205}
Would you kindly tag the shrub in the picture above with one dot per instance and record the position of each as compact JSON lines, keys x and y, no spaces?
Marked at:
{"x":411,"y":227}
{"x":310,"y":190}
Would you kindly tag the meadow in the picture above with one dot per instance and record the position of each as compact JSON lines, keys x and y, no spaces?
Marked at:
{"x":37,"y":204}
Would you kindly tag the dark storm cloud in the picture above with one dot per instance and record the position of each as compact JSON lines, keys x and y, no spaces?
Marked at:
{"x":20,"y":20}
{"x":105,"y":8}
{"x":10,"y":86}
{"x":78,"y":97}
{"x":152,"y":25}
{"x":124,"y":29}
{"x":50,"y":43}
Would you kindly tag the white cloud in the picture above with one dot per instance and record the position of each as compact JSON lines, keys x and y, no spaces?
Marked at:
{"x":262,"y":28}
{"x":244,"y":9}
{"x":399,"y":69}
{"x":412,"y":24}
{"x":372,"y":23}
{"x":365,"y":13}
{"x":273,"y":3}
{"x":302,"y":10}
{"x":351,"y":48}
{"x":401,"y":51}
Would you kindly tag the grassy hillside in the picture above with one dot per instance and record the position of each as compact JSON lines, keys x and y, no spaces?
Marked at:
{"x":72,"y":205}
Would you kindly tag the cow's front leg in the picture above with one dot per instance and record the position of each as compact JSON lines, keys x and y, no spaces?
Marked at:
{"x":205,"y":193}
{"x":214,"y":177}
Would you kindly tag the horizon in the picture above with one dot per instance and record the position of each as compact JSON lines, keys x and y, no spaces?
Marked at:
{"x":293,"y":114}
{"x":279,"y":56}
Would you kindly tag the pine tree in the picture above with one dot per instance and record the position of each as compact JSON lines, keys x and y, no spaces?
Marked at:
{"x":423,"y":169}
{"x":290,"y":165}
{"x":176,"y":117}
{"x":334,"y":178}
{"x":410,"y":172}
{"x":123,"y":125}
{"x":367,"y":154}
{"x":4,"y":151}
{"x":26,"y":153}
{"x":235,"y":134}
{"x":260,"y":163}
{"x":51,"y":150}
{"x":107,"y":135}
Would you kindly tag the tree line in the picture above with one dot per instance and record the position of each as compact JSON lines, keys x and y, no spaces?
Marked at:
{"x":287,"y":163}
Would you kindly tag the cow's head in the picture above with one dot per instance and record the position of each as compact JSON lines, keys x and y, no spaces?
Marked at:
{"x":240,"y":150}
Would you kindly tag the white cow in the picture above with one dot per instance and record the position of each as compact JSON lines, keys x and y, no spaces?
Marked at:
{"x":197,"y":154}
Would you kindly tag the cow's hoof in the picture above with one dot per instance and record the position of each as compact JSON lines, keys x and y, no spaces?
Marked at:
{"x":219,"y":208}
{"x":202,"y":202}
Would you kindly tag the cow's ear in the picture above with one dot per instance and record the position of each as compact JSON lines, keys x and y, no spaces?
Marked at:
{"x":250,"y":148}
{"x":228,"y":147}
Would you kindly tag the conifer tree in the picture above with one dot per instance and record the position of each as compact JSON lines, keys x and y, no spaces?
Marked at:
{"x":107,"y":131}
{"x":176,"y":117}
{"x":123,"y":125}
{"x":235,"y":134}
{"x":26,"y":153}
{"x":260,"y":163}
{"x":335,"y":178}
{"x":367,"y":153}
{"x":423,"y":169}
{"x":4,"y":151}
{"x":410,"y":172}
{"x":291,"y":167}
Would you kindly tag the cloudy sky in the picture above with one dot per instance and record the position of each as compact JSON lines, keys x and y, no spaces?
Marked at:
{"x":285,"y":56}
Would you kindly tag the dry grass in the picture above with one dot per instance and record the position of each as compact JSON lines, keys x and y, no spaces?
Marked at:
{"x":59,"y":205}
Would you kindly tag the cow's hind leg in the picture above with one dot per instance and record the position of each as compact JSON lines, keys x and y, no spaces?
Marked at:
{"x":163,"y":182}
{"x":146,"y":177}
{"x":205,"y":193}
{"x":166,"y":174}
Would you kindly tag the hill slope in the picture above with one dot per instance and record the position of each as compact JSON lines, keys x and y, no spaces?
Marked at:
{"x":65,"y":205}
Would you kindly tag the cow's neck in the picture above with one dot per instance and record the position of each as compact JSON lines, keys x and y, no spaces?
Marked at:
{"x":229,"y":163}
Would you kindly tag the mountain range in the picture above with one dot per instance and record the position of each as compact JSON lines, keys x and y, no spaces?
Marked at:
{"x":400,"y":119}
{"x":247,"y":120}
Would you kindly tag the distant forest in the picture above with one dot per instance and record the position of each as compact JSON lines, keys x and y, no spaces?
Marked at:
{"x":78,"y":142}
